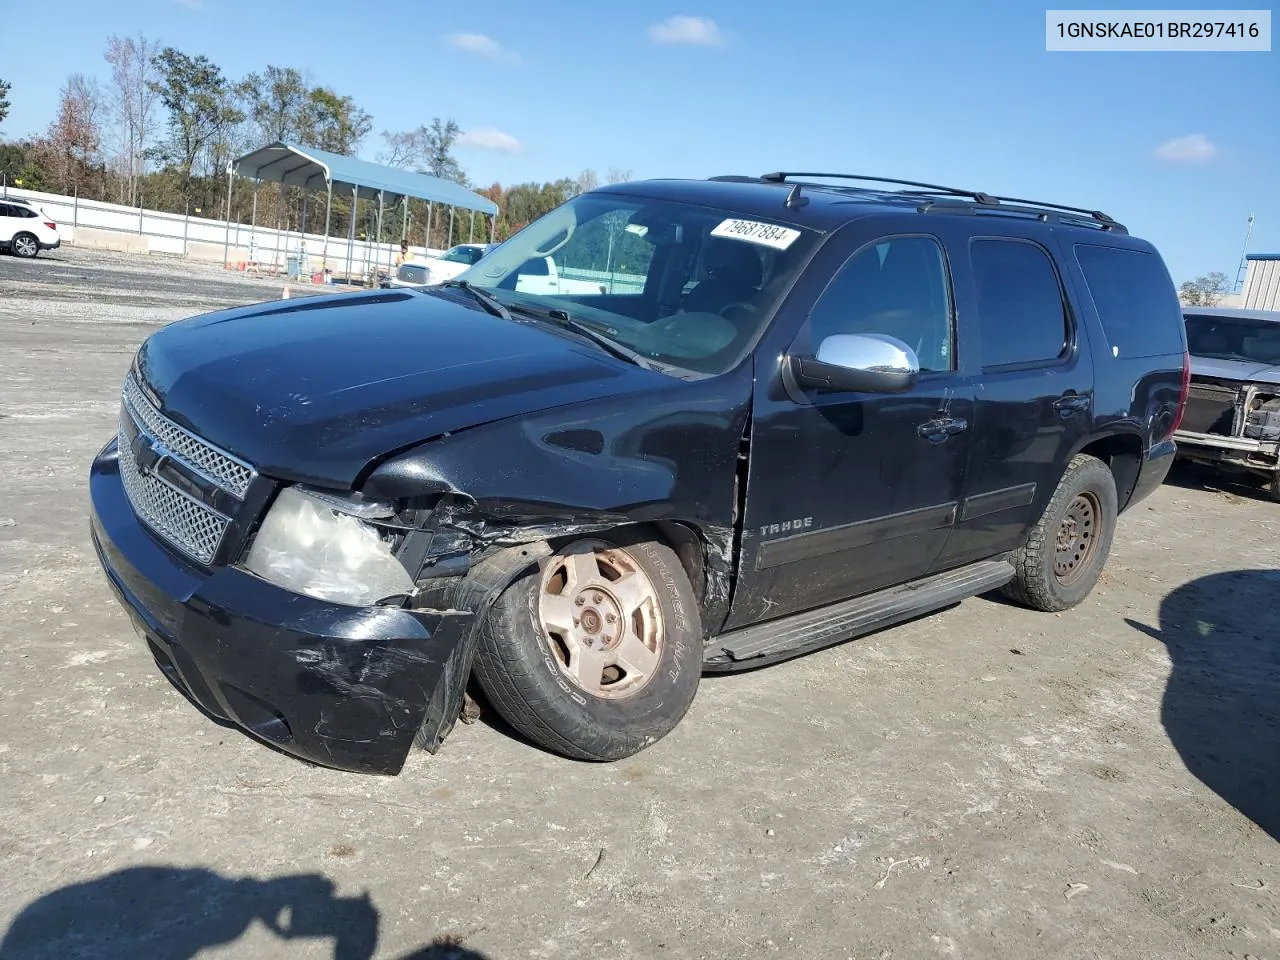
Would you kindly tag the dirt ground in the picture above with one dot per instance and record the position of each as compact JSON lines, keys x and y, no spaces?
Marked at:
{"x":985,"y":783}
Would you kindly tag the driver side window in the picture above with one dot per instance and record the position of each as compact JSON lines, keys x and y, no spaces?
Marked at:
{"x":897,"y":287}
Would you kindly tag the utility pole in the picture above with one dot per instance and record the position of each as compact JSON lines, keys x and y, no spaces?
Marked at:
{"x":1244,"y":252}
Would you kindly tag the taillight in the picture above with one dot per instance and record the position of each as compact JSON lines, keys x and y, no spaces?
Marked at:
{"x":51,"y":225}
{"x":1182,"y":393}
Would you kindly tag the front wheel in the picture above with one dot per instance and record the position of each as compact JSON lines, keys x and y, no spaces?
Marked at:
{"x":25,"y":245}
{"x":1063,"y":556}
{"x":598,"y":654}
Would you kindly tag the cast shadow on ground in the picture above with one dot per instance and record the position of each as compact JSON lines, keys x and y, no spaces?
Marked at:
{"x":171,"y":913}
{"x":1221,"y":706}
{"x":1188,"y":475}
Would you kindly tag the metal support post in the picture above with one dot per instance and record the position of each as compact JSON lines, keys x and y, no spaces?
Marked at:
{"x":351,"y":240}
{"x":377,"y":251}
{"x":328,"y":209}
{"x":226,"y":239}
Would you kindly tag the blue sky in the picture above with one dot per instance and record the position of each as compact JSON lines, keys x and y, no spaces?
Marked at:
{"x":1179,"y":146}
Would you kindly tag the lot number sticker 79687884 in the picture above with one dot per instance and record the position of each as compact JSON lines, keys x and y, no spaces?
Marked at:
{"x":765,"y":234}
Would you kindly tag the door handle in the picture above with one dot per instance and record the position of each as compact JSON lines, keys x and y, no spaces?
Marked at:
{"x":936,"y":431}
{"x":1071,"y":404}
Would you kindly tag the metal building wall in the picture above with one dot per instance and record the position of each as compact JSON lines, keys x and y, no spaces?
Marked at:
{"x":1262,"y":283}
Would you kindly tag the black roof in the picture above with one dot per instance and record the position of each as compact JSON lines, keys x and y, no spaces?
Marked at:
{"x":804,"y":202}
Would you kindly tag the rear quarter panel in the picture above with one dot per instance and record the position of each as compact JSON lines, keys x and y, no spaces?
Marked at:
{"x":1137,"y":386}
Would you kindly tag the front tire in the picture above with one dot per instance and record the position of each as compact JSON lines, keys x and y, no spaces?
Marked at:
{"x":1063,"y":556}
{"x":24,"y":245}
{"x":598,"y":654}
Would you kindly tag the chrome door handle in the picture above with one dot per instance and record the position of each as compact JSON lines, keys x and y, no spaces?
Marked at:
{"x":936,"y":431}
{"x":1071,"y":404}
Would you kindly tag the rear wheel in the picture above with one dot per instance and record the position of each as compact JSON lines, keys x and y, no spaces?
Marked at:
{"x":1273,"y":486}
{"x":25,"y":245}
{"x":598,"y":654}
{"x":1063,"y":556}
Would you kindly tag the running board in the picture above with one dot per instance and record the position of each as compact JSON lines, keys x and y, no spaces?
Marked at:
{"x":801,"y":633}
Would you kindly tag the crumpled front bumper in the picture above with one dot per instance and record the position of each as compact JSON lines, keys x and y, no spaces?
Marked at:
{"x":1259,"y":456}
{"x":339,"y":686}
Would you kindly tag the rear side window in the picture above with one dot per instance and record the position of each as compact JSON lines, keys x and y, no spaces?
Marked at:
{"x":1135,"y":299}
{"x":1021,"y":315}
{"x":26,"y":212}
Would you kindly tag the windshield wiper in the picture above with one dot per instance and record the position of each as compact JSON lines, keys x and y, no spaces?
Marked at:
{"x":599,"y":339}
{"x":482,"y":297}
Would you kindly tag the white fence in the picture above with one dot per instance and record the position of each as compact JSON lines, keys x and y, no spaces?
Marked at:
{"x":93,"y":223}
{"x":110,"y":226}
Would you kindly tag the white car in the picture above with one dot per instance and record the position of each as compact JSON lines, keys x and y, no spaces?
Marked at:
{"x":24,"y":230}
{"x":427,"y":271}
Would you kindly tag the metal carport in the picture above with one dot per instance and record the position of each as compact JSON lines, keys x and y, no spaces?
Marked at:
{"x":309,"y":168}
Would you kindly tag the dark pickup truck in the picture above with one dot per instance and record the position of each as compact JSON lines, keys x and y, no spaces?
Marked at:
{"x":804,"y":407}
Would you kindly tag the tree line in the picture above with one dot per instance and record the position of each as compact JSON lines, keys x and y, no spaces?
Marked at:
{"x":159,"y":128}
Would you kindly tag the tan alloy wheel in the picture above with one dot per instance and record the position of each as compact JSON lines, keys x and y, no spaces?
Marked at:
{"x":599,"y":614}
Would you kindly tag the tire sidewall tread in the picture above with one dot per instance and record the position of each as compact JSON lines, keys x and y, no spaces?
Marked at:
{"x":1034,"y":584}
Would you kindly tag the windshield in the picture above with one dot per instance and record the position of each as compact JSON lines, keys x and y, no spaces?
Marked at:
{"x":688,"y":286}
{"x":461,"y":255}
{"x":1234,"y":338}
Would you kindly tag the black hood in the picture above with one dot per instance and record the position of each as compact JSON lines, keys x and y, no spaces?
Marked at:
{"x":315,"y":389}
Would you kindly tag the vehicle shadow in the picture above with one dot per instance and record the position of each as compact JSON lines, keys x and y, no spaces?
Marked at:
{"x":1221,"y":705}
{"x":174,"y":913}
{"x":1188,"y":475}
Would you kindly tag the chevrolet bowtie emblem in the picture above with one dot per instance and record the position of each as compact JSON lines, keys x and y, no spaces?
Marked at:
{"x":147,"y":453}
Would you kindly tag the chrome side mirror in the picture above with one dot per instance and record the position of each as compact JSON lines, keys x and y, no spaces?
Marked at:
{"x":859,"y":363}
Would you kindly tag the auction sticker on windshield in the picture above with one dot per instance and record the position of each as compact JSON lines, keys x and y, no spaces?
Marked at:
{"x":765,"y":234}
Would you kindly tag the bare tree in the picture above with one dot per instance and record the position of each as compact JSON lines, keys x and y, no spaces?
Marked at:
{"x":75,"y":135}
{"x":403,"y":149}
{"x":426,"y":150}
{"x":1206,"y":291}
{"x":587,"y":180}
{"x":618,"y":175}
{"x":132,"y":78}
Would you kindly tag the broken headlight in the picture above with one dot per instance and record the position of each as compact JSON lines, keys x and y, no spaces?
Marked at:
{"x":329,"y":547}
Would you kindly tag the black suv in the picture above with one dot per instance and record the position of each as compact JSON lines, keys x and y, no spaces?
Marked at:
{"x":754,"y":416}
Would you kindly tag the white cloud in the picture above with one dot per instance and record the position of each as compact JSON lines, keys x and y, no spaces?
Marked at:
{"x":1196,"y":148}
{"x":482,"y":46}
{"x":489,"y":138}
{"x":697,"y":31}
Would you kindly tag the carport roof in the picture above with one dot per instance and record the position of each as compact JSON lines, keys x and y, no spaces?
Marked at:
{"x":307,"y":167}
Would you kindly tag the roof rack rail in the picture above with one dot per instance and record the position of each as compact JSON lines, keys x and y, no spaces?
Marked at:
{"x":781,"y":177}
{"x":977,"y":196}
{"x":1046,"y":212}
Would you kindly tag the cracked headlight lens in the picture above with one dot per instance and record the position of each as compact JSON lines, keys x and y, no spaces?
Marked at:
{"x":325,"y":547}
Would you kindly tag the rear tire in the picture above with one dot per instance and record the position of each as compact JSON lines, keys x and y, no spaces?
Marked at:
{"x":1063,"y":556}
{"x":1273,"y":486}
{"x":24,"y":245}
{"x":598,"y":654}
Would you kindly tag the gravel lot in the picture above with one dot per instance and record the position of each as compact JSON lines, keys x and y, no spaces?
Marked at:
{"x":988,"y":782}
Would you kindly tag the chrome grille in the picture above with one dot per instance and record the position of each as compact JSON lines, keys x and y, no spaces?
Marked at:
{"x":226,"y":471}
{"x":190,"y":525}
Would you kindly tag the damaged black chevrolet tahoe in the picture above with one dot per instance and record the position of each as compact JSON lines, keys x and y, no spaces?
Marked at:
{"x":757,"y":416}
